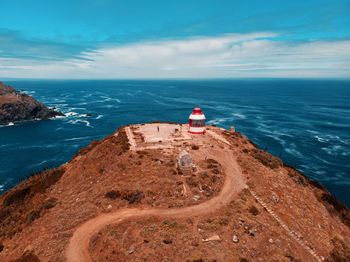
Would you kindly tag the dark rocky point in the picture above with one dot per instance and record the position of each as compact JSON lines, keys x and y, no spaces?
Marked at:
{"x":16,"y":106}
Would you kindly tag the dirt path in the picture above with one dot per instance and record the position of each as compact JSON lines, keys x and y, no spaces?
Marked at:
{"x":78,"y":247}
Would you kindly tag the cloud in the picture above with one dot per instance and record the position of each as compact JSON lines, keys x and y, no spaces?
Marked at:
{"x":260,"y":54}
{"x":15,"y":45}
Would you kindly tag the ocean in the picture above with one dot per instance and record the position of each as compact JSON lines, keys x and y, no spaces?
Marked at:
{"x":305,"y":122}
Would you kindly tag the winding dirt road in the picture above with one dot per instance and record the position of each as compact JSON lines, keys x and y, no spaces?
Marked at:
{"x":78,"y":247}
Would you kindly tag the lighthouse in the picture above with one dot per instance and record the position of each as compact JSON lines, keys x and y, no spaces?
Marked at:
{"x":197,"y":121}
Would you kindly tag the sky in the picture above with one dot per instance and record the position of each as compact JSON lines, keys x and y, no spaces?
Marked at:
{"x":113,"y":39}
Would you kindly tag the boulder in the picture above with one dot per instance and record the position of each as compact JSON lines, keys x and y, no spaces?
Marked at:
{"x":185,"y":160}
{"x":235,"y":239}
{"x":212,"y":238}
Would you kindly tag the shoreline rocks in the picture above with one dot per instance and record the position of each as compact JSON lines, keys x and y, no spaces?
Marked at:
{"x":16,"y":106}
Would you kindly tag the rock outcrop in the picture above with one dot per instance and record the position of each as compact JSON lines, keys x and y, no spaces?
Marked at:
{"x":16,"y":106}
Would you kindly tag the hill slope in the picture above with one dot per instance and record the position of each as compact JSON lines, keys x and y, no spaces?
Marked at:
{"x":128,"y":198}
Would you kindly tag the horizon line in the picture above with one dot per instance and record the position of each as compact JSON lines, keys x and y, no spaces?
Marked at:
{"x":2,"y":79}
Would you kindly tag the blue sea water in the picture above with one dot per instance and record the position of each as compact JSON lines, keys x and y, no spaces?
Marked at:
{"x":305,"y":122}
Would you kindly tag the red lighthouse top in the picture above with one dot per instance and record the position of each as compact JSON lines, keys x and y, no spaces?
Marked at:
{"x":197,"y":111}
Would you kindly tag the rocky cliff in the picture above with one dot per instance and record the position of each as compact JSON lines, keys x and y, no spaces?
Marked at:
{"x":130,"y":198}
{"x":16,"y":106}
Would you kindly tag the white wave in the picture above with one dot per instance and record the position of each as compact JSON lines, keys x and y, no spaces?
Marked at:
{"x":40,"y":163}
{"x":82,"y":115}
{"x":238,"y":115}
{"x":87,"y":123}
{"x":60,"y":105}
{"x":331,"y":139}
{"x":320,"y":172}
{"x":9,"y":124}
{"x":220,"y":107}
{"x":281,"y":133}
{"x":100,"y":101}
{"x":70,"y":114}
{"x":184,"y":100}
{"x":76,"y":138}
{"x":160,"y":103}
{"x":1,"y":187}
{"x":109,"y":106}
{"x":6,"y":145}
{"x":292,"y":149}
{"x":58,"y":117}
{"x":335,"y":150}
{"x":312,"y":131}
{"x":277,"y":138}
{"x":73,"y":121}
{"x":58,"y":100}
{"x":323,"y":160}
{"x":41,"y":145}
{"x":264,"y":126}
{"x":321,"y":139}
{"x":28,"y":92}
{"x":192,"y":101}
{"x":217,"y":121}
{"x":107,"y":98}
{"x":99,"y":116}
{"x":76,"y":108}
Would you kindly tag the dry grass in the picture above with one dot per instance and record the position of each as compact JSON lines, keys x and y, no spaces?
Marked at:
{"x":341,"y":251}
{"x":18,"y":207}
{"x":266,"y":159}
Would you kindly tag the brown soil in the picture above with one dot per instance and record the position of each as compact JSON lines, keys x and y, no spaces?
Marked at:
{"x":122,"y":201}
{"x":156,"y":237}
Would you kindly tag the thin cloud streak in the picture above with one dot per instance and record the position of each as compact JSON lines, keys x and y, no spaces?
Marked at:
{"x":236,"y":55}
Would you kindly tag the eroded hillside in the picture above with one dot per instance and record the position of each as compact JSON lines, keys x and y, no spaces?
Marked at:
{"x":148,"y":195}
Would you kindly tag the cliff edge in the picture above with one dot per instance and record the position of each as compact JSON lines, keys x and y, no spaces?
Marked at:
{"x":16,"y":106}
{"x":154,"y":192}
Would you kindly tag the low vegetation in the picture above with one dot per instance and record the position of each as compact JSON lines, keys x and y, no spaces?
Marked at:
{"x":88,"y":148}
{"x":27,"y":256}
{"x":38,"y":183}
{"x":113,"y":194}
{"x":39,"y":211}
{"x":266,"y":159}
{"x":122,"y":139}
{"x":18,"y":208}
{"x":132,"y":197}
{"x":254,"y":211}
{"x":195,"y":147}
{"x":341,"y":251}
{"x":335,"y":207}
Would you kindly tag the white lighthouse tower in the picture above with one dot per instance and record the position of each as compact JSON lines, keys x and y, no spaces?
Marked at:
{"x":197,"y":121}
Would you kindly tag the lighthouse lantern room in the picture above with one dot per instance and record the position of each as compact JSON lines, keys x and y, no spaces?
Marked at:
{"x":197,"y":121}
